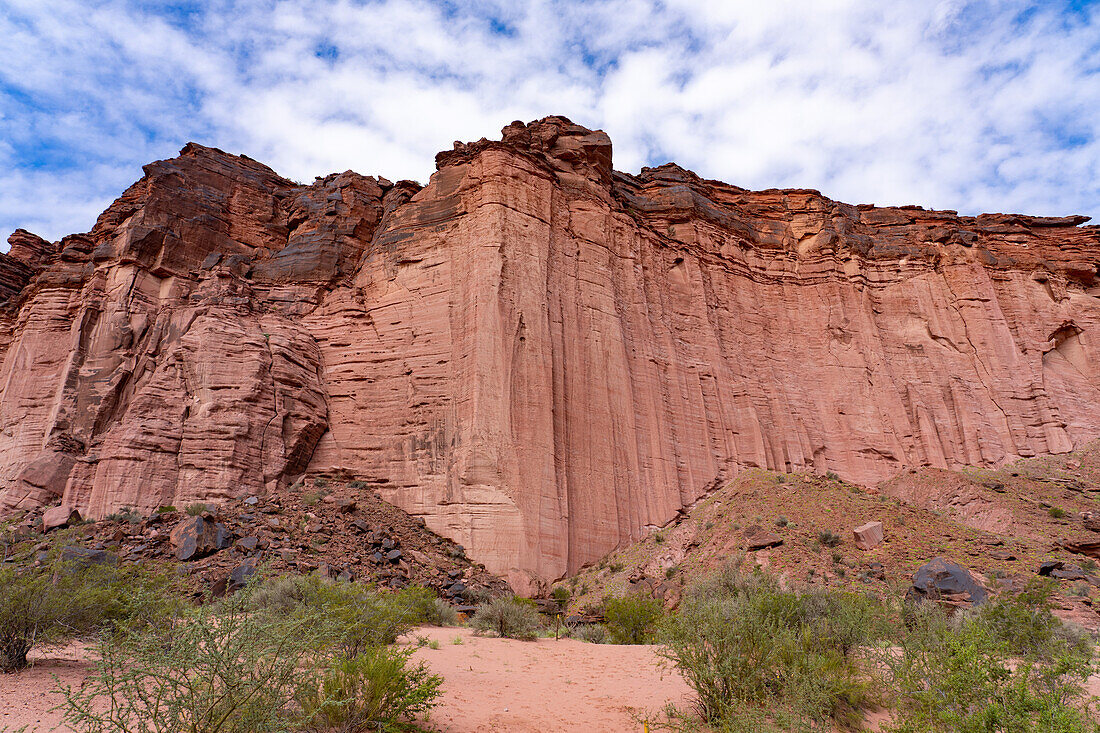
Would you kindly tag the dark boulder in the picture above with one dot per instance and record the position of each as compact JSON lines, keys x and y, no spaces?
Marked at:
{"x":86,"y":557}
{"x":948,"y":583}
{"x":197,"y":537}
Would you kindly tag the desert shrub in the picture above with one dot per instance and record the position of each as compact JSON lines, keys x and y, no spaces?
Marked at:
{"x":194,"y":510}
{"x":375,"y":690}
{"x":632,"y":619}
{"x":507,"y":617}
{"x":62,"y":601}
{"x":361,"y":615}
{"x":125,"y":514}
{"x":223,"y":668}
{"x":1057,"y":512}
{"x":358,"y":484}
{"x":829,"y":538}
{"x":442,"y":613}
{"x":782,"y":521}
{"x":1008,"y":667}
{"x":591,"y":633}
{"x":759,"y":656}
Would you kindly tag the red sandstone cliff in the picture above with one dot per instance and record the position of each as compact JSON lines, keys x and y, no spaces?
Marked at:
{"x":536,"y":353}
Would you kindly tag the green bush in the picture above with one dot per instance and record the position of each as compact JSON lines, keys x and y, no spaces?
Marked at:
{"x":1008,"y":667}
{"x":632,"y":619}
{"x":362,"y":615}
{"x":829,"y":538}
{"x":125,"y":514}
{"x":762,"y":658}
{"x":222,"y":668}
{"x":507,"y":617}
{"x":51,"y":605}
{"x":591,"y":633}
{"x":375,"y":690}
{"x":194,"y":510}
{"x":1057,"y":512}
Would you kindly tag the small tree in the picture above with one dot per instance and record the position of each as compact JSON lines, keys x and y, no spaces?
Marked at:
{"x":632,"y":619}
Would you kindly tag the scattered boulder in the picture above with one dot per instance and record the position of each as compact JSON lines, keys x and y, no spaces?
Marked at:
{"x":345,"y":506}
{"x":948,"y":583}
{"x":197,"y":537}
{"x":1048,"y":567}
{"x":869,"y":535}
{"x":1088,"y":548}
{"x":240,"y":575}
{"x":248,"y":544}
{"x":1091,"y":521}
{"x":758,"y":538}
{"x":59,"y":516}
{"x":86,"y":556}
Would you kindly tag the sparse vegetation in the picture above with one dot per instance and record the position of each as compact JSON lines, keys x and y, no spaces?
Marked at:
{"x":829,"y":538}
{"x":632,"y":619}
{"x":508,"y":617}
{"x":591,"y":633}
{"x":125,"y":514}
{"x":43,"y":607}
{"x":1057,"y":512}
{"x":762,"y":658}
{"x":1010,"y":666}
{"x":782,"y":521}
{"x":194,"y":510}
{"x":377,"y":689}
{"x":284,"y":654}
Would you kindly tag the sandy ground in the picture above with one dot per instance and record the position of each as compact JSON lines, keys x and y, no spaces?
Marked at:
{"x":566,"y":685}
{"x":489,"y":685}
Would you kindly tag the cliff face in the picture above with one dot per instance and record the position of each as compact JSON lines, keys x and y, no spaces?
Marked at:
{"x":536,"y":353}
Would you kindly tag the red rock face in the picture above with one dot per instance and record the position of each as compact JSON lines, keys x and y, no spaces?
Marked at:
{"x":539,"y":355}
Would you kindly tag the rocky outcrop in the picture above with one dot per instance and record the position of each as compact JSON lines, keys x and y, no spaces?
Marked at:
{"x":537,"y":354}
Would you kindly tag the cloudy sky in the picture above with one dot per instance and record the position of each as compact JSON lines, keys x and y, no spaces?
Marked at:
{"x":976,"y":106}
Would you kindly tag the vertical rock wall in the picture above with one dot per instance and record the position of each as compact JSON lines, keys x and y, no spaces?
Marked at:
{"x":539,"y":355}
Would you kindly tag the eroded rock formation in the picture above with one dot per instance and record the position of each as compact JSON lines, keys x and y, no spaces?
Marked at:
{"x":537,"y":354}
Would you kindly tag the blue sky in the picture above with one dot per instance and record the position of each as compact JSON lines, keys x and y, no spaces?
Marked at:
{"x":976,"y":106}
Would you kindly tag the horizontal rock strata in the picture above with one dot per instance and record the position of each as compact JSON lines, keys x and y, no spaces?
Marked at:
{"x":539,"y":355}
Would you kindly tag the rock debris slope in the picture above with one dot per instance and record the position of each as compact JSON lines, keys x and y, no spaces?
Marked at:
{"x":537,"y":354}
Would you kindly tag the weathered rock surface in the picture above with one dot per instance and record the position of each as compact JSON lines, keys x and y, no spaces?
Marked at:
{"x":948,"y":583}
{"x":535,"y":353}
{"x":868,"y":536}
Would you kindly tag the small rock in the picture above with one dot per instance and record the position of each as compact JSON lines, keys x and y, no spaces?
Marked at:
{"x":241,"y":574}
{"x":393,"y":555}
{"x":869,"y":535}
{"x":758,"y":538}
{"x":248,"y":544}
{"x":1004,"y":556}
{"x":252,"y":501}
{"x":345,"y":506}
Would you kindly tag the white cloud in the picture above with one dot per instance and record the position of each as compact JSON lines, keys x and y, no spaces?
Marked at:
{"x":977,"y":106}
